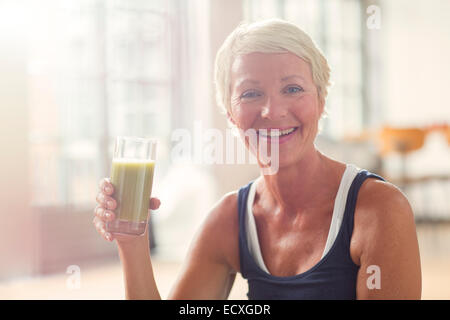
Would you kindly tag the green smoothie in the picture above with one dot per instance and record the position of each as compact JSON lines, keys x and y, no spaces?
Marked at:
{"x":132,"y":180}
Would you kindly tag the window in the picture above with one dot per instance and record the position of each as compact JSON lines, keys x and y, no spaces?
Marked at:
{"x":97,"y":69}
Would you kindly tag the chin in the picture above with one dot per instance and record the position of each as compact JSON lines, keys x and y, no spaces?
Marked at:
{"x":285,"y":160}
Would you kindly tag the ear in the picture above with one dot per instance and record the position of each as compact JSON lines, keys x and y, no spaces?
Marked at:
{"x":230,"y":118}
{"x":321,"y":106}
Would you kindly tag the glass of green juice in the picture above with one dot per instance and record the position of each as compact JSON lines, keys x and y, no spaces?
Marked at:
{"x":132,"y":169}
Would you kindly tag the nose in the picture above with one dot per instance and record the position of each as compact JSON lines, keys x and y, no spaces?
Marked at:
{"x":274,"y":109}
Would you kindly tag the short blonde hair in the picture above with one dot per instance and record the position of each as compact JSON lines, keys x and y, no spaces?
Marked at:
{"x":268,"y":36}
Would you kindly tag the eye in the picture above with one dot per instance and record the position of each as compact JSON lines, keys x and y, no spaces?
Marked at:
{"x":293,"y":89}
{"x":250,"y":94}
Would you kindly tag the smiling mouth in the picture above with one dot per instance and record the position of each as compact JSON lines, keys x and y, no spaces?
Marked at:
{"x":276,"y":133}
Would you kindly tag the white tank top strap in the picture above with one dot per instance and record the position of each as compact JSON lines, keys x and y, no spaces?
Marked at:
{"x":338,"y":213}
{"x":339,"y":205}
{"x":252,"y":233}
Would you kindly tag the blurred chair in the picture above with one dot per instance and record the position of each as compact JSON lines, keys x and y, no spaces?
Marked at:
{"x":405,"y":141}
{"x":447,"y":131}
{"x":444,"y":129}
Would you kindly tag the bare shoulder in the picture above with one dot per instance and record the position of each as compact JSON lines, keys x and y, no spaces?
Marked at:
{"x":383,"y":198}
{"x":385,"y":236}
{"x":223,"y":217}
{"x":381,"y":209}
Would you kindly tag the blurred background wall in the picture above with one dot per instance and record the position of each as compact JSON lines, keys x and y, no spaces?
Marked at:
{"x":75,"y":74}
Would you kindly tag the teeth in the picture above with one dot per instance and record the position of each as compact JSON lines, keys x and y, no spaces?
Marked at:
{"x":275,"y":133}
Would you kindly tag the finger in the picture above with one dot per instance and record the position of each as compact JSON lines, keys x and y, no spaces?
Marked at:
{"x":109,"y":237}
{"x":100,"y":227}
{"x":154,"y":203}
{"x":109,"y":215}
{"x":104,"y":214}
{"x":106,"y":186}
{"x":100,"y":198}
{"x":106,"y":201}
{"x":99,"y":211}
{"x":102,"y":182}
{"x":109,"y":203}
{"x":106,"y":235}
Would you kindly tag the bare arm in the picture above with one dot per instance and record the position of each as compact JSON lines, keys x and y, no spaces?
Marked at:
{"x":137,"y":270}
{"x":206,"y":273}
{"x":134,"y":251}
{"x":389,"y":256}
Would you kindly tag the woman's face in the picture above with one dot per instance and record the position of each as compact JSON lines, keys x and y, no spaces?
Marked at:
{"x":276,"y":91}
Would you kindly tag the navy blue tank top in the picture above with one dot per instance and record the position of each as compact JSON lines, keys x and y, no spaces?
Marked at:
{"x":333,"y":277}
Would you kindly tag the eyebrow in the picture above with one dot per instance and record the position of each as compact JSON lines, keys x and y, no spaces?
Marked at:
{"x":242,"y":82}
{"x":291,"y":77}
{"x":251,"y":81}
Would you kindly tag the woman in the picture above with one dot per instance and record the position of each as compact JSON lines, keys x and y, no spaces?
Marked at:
{"x":316,"y":228}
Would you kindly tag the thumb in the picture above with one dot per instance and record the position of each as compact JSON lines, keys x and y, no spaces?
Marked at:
{"x":154,"y":203}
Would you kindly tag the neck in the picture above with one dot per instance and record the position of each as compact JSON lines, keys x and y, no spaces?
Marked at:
{"x":301,"y":186}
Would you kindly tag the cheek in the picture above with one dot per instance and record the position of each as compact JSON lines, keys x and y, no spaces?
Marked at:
{"x":244,"y":117}
{"x":307,"y":110}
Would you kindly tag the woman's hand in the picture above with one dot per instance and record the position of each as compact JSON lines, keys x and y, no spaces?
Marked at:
{"x":104,"y":212}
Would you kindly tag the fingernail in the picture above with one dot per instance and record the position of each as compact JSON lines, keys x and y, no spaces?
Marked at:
{"x":108,"y":236}
{"x":108,"y":189}
{"x":110,"y":203}
{"x":107,"y":215}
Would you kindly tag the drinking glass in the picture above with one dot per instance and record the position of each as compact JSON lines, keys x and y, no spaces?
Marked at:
{"x":132,"y":169}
